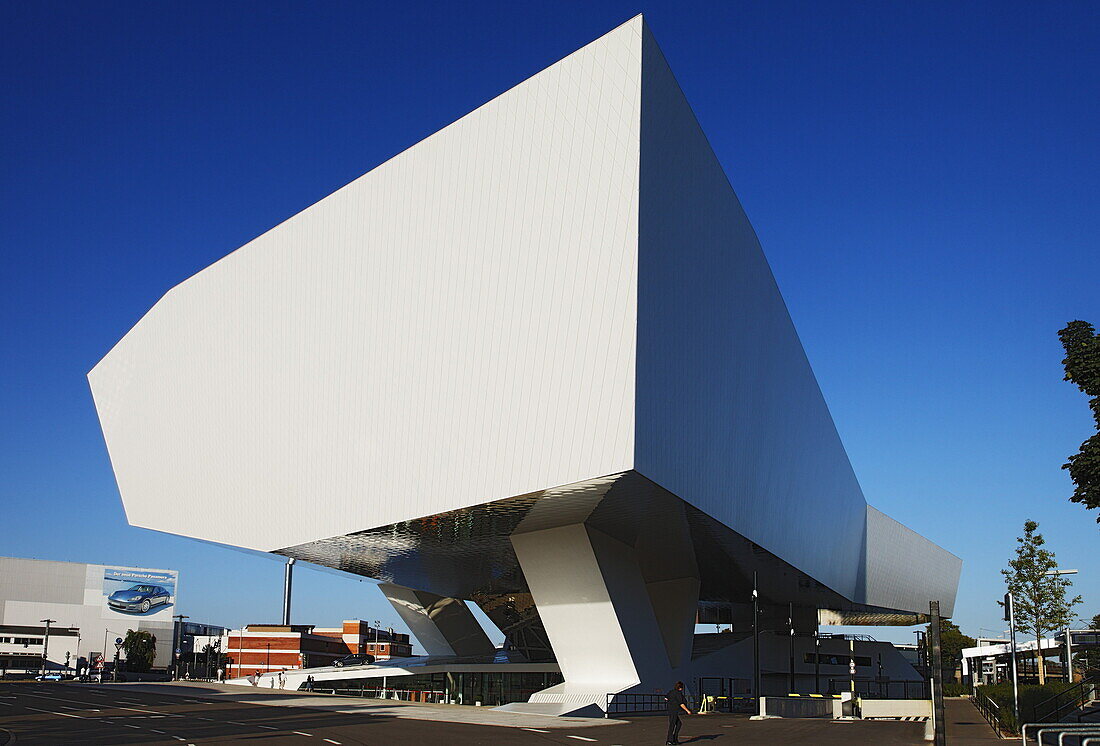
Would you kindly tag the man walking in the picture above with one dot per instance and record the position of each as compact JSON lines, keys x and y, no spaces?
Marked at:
{"x":676,"y":702}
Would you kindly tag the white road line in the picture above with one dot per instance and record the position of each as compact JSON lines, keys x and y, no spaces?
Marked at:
{"x":154,"y":730}
{"x":62,"y":714}
{"x":269,"y":727}
{"x":535,"y":730}
{"x":331,"y":741}
{"x":300,"y":733}
{"x":127,"y":725}
{"x":581,"y":738}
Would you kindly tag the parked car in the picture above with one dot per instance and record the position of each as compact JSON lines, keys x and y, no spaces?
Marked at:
{"x":48,"y":677}
{"x":354,"y":660}
{"x":139,"y":598}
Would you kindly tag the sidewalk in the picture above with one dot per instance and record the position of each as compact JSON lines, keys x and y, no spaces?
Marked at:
{"x":354,"y":705}
{"x":965,"y":725}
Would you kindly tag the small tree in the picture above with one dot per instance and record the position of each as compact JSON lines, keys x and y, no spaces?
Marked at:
{"x":1039,"y":598}
{"x":141,"y":649}
{"x":1082,"y":364}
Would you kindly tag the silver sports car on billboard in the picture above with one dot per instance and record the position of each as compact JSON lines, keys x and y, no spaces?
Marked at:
{"x":139,"y":598}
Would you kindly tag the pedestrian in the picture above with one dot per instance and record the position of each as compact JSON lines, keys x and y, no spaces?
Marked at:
{"x":309,"y":683}
{"x":676,"y":702}
{"x":282,"y":680}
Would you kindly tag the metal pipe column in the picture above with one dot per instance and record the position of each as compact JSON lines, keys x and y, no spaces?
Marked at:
{"x":288,"y":577}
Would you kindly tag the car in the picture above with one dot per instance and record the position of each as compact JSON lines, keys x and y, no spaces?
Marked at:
{"x":48,"y":677}
{"x":139,"y":598}
{"x":354,"y":660}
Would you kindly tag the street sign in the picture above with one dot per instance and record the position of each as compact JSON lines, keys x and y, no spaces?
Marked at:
{"x":178,"y":651}
{"x":118,"y":641}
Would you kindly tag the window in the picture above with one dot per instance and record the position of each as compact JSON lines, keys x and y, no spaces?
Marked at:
{"x":837,"y":660}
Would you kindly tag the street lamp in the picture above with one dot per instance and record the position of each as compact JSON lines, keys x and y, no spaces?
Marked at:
{"x":46,"y":643}
{"x":1069,"y":642}
{"x":177,"y":643}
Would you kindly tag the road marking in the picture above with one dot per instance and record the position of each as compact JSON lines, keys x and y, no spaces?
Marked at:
{"x":154,"y":730}
{"x":127,"y":725}
{"x":535,"y":730}
{"x":269,"y":727}
{"x":62,"y":714}
{"x":331,"y":741}
{"x":581,"y":738}
{"x":300,"y":733}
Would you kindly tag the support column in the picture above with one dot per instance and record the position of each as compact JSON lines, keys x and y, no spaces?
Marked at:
{"x":599,"y":615}
{"x":444,"y":626}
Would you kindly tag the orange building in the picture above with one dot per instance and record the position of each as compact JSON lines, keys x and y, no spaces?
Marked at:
{"x":260,"y":648}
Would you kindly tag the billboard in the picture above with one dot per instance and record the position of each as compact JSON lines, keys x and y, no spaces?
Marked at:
{"x":136,"y":592}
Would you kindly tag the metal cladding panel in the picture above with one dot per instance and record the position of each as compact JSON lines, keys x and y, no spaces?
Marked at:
{"x":905,"y":570}
{"x":454,"y":327}
{"x":729,"y":415}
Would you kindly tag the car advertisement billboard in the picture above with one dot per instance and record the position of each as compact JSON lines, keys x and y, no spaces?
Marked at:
{"x":131,"y":591}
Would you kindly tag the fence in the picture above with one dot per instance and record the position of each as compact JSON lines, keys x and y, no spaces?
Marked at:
{"x":991,"y":711}
{"x":626,"y":704}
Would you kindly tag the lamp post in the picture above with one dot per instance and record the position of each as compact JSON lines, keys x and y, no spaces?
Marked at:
{"x":1010,"y":617}
{"x":177,"y":643}
{"x":46,"y":643}
{"x":756,"y":643}
{"x":1069,"y":643}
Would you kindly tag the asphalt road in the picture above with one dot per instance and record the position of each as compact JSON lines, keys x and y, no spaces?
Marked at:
{"x":55,"y":713}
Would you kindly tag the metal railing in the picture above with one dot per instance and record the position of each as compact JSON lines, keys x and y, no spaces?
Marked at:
{"x":991,"y":711}
{"x":1041,"y":731}
{"x":1066,"y":701}
{"x":625,"y":704}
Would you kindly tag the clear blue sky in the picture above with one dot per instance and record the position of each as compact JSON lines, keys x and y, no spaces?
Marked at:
{"x":923,"y":177}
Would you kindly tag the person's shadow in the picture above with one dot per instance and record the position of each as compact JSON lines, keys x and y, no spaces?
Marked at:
{"x":706,"y":737}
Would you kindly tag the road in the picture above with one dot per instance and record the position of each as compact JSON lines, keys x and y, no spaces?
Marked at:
{"x":53,"y":713}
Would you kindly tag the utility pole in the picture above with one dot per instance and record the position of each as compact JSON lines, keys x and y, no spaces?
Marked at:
{"x":46,"y":643}
{"x":1010,"y":617}
{"x":756,"y":643}
{"x":177,"y":643}
{"x":937,"y":675}
{"x":817,"y":662}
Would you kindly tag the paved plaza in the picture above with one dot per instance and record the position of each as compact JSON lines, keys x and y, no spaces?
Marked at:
{"x":32,"y":713}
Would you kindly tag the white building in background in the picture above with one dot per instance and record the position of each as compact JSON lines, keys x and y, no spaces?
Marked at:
{"x":538,"y":362}
{"x":90,"y":606}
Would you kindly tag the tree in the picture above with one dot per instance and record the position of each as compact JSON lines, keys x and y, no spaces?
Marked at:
{"x":1082,"y":364}
{"x":1039,"y":598}
{"x":141,"y":648}
{"x":952,"y":642}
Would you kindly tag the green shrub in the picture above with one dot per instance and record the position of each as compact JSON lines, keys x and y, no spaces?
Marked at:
{"x":955,"y":689}
{"x":1030,"y":696}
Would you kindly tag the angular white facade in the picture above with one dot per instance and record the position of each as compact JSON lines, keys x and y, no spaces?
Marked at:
{"x":548,"y":325}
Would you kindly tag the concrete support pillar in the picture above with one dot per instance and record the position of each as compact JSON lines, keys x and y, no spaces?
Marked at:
{"x":444,"y":626}
{"x":602,"y":618}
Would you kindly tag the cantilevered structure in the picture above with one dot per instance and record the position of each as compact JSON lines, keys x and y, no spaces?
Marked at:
{"x":537,"y":361}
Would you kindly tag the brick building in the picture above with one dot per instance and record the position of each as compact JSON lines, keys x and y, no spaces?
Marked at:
{"x":361,"y":639}
{"x":260,"y":648}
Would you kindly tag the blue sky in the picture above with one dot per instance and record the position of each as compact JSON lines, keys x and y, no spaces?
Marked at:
{"x":923,"y":178}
